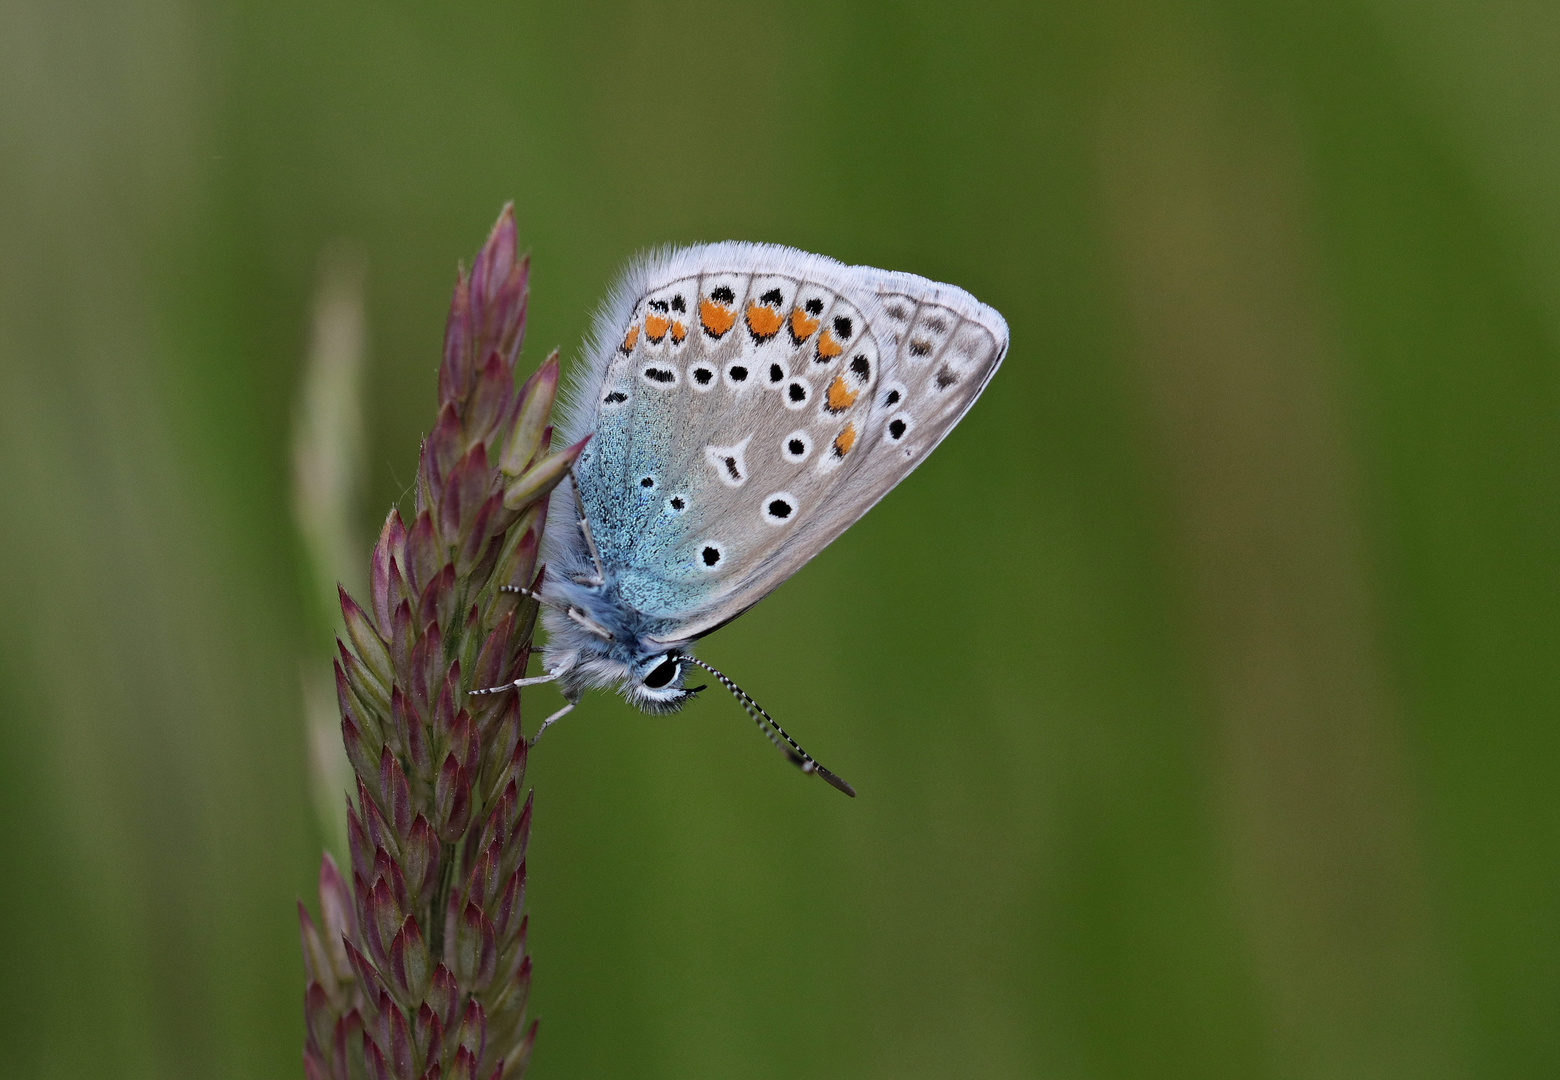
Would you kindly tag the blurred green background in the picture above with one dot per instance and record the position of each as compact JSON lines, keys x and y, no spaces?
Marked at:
{"x":1202,"y":690}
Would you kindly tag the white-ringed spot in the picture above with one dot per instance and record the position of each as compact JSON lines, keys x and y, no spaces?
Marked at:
{"x":729,"y":462}
{"x":779,"y":508}
{"x":797,"y":392}
{"x":796,"y":446}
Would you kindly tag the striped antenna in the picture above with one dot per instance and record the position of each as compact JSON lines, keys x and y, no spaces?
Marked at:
{"x":766,"y":723}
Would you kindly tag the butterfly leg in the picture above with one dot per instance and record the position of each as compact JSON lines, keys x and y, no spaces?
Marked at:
{"x":568,"y":609}
{"x":590,"y":540}
{"x":550,"y":721}
{"x":518,"y":684}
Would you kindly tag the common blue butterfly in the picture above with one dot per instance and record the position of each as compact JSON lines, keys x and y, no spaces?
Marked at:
{"x":746,"y":403}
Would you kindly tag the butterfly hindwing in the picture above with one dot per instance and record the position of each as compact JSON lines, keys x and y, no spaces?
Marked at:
{"x":936,"y":360}
{"x":754,"y":401}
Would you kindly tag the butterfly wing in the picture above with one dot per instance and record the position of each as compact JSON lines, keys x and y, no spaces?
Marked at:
{"x":749,"y":403}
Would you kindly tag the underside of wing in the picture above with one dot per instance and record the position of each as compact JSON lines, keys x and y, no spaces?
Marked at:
{"x":748,"y":403}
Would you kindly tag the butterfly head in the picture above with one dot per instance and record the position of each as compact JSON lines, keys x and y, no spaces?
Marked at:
{"x":648,"y":675}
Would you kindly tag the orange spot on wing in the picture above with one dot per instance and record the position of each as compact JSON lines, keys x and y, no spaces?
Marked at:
{"x":655,"y":327}
{"x":841,"y":397}
{"x":679,"y":331}
{"x":802,"y":325}
{"x":828,"y":348}
{"x":632,"y":339}
{"x":763,"y":321}
{"x":716,"y":318}
{"x":845,"y":440}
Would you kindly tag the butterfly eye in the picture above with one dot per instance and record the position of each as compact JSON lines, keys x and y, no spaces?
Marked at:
{"x":663,"y":673}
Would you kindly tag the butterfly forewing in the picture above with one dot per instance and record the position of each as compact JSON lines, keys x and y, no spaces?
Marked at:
{"x":757,"y":401}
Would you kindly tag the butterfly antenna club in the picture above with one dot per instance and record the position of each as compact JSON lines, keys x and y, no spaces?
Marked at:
{"x":766,"y":723}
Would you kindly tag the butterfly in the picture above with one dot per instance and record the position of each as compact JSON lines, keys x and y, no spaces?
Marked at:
{"x":746,"y":403}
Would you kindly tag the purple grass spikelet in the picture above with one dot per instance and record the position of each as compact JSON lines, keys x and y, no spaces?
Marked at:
{"x":417,"y":968}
